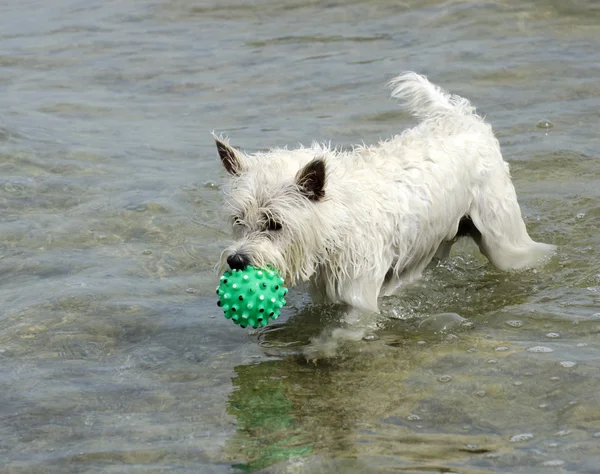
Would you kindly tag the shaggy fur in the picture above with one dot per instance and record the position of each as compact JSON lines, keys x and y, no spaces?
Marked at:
{"x":360,"y":224}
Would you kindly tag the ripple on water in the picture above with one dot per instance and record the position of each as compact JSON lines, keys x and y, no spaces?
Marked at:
{"x":441,"y":323}
{"x":515,"y":323}
{"x":545,"y":124}
{"x":540,"y":349}
{"x":553,"y":463}
{"x":519,"y":438}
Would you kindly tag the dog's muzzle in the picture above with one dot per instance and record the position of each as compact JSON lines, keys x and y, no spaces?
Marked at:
{"x":238,"y":261}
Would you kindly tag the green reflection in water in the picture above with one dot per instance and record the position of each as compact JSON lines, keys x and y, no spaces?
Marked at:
{"x":267,"y":432}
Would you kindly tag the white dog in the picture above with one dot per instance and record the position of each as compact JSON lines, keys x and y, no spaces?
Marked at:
{"x":360,"y":224}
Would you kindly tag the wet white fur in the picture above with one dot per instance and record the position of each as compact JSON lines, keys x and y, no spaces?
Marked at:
{"x":390,"y":206}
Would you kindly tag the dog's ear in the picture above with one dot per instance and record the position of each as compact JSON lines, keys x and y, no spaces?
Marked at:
{"x":311,"y":179}
{"x":230,"y":157}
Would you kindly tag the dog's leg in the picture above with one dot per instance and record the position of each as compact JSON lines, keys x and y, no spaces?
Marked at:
{"x":499,"y":228}
{"x":465,"y":228}
{"x":443,"y":251}
{"x":355,"y":325}
{"x":360,"y":295}
{"x":397,"y":278}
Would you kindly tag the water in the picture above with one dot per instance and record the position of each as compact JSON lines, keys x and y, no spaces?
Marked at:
{"x":114,"y":356}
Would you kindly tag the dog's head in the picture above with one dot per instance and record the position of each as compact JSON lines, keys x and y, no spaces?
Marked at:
{"x":274,"y":204}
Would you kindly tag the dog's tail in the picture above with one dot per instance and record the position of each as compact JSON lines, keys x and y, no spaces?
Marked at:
{"x":426,"y":100}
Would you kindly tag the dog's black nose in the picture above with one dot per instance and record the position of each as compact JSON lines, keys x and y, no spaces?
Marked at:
{"x":238,"y":261}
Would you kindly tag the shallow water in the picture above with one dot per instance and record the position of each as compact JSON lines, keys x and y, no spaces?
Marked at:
{"x":114,"y":356}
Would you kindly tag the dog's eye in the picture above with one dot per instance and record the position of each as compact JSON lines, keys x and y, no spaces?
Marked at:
{"x":237,"y":221}
{"x":273,"y":225}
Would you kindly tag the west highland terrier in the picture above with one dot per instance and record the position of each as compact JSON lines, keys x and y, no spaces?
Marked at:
{"x":361,"y":224}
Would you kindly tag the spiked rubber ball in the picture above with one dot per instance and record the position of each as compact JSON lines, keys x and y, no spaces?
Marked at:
{"x":252,"y":296}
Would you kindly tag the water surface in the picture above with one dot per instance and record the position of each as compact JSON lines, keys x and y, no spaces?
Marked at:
{"x":114,"y":356}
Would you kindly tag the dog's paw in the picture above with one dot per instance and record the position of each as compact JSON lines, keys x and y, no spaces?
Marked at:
{"x":328,"y":345}
{"x":320,"y":348}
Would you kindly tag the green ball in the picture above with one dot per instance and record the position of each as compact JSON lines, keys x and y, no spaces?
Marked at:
{"x":251,"y":296}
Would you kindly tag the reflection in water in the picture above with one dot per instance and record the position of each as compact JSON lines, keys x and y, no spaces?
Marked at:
{"x":459,"y":396}
{"x":268,"y":431}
